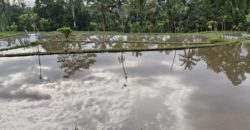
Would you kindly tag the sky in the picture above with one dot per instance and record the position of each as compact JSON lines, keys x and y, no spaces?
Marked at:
{"x":29,"y":2}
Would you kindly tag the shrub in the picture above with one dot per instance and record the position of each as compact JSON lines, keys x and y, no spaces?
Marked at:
{"x":66,"y":31}
{"x":13,"y":27}
{"x":213,"y":41}
{"x":44,"y":24}
{"x":35,"y":43}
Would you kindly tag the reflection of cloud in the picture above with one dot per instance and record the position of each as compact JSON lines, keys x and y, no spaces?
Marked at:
{"x":89,"y":104}
{"x":31,"y":92}
{"x":176,"y":102}
{"x":94,"y":99}
{"x":91,"y":107}
{"x":23,"y":94}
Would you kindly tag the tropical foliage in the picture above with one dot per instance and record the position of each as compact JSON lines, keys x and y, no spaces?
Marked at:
{"x":127,"y":15}
{"x":66,"y":31}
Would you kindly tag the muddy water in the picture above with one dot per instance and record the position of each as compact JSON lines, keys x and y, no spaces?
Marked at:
{"x":194,"y":89}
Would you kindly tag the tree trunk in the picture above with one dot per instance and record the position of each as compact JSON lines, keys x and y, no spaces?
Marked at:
{"x":248,"y":4}
{"x":225,"y":26}
{"x":248,"y":29}
{"x":123,"y":25}
{"x":137,"y":11}
{"x":73,"y":16}
{"x":103,"y":18}
{"x":222,"y":27}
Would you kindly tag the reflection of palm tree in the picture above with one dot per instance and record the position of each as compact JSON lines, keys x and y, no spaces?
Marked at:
{"x":118,"y":45}
{"x":101,"y":7}
{"x":188,"y":59}
{"x":102,"y":45}
{"x":228,"y":60}
{"x":76,"y":62}
{"x":137,"y":54}
{"x":121,"y":60}
{"x":136,"y":46}
{"x":40,"y":67}
{"x":103,"y":42}
{"x":173,"y":61}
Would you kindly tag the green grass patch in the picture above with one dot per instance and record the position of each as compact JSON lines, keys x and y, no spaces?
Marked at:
{"x":10,"y":34}
{"x":35,"y":43}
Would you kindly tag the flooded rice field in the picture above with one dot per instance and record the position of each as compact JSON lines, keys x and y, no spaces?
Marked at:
{"x":192,"y":89}
{"x":55,"y":43}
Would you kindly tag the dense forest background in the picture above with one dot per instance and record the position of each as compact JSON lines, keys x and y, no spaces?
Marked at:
{"x":125,"y":15}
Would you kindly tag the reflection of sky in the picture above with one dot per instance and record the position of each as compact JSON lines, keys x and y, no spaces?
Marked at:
{"x":155,"y":97}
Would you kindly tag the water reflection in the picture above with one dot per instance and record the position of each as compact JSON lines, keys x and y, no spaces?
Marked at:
{"x":233,"y":61}
{"x":73,"y":63}
{"x":121,"y":60}
{"x":120,"y":91}
{"x":17,"y":40}
{"x":189,"y":58}
{"x":53,"y":42}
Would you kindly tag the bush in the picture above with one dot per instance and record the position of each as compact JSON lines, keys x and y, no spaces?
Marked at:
{"x":66,"y":31}
{"x":135,"y":27}
{"x":213,"y":41}
{"x":35,"y":43}
{"x":44,"y":24}
{"x":13,"y":27}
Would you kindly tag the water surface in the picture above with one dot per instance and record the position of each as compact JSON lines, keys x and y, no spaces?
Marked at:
{"x":193,"y":89}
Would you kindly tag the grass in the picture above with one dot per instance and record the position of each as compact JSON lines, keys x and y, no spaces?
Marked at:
{"x":209,"y":34}
{"x":10,"y":34}
{"x":214,"y":34}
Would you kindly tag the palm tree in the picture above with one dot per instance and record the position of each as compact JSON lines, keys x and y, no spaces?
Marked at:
{"x":122,"y":10}
{"x":248,"y":6}
{"x":103,"y":7}
{"x":73,"y":4}
{"x":174,"y":9}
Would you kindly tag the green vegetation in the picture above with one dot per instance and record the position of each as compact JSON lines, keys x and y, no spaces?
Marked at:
{"x":143,"y":16}
{"x":28,"y":21}
{"x":36,"y":43}
{"x":248,"y":22}
{"x":66,"y":31}
{"x":9,"y":34}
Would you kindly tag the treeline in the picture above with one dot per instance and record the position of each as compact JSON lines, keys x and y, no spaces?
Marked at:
{"x":126,"y":15}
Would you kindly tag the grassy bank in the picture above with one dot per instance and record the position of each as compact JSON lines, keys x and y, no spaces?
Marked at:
{"x":209,"y":34}
{"x":10,"y":34}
